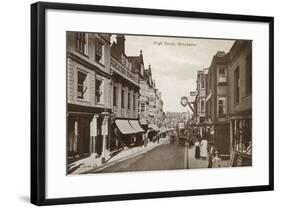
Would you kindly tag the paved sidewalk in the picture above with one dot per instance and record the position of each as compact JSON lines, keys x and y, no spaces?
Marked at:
{"x":194,"y":163}
{"x":90,"y":165}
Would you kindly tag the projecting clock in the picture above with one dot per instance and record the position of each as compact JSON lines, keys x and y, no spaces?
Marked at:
{"x":184,"y":101}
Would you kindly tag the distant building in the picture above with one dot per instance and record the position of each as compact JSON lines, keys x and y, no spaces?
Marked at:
{"x":143,"y":103}
{"x":217,"y":101}
{"x":173,"y":118}
{"x":159,"y":116}
{"x":240,"y":96}
{"x":88,"y":94}
{"x":147,"y":104}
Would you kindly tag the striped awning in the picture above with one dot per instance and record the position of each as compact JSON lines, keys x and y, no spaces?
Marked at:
{"x":135,"y":124}
{"x":125,"y":127}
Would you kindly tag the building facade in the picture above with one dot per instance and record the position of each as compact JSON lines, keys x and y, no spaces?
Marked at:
{"x":159,"y":113}
{"x":201,"y":96}
{"x":88,"y":95}
{"x":240,"y":97}
{"x":143,"y":102}
{"x":125,"y":82}
{"x":200,"y":101}
{"x":147,"y":104}
{"x":173,"y":118}
{"x":217,"y":101}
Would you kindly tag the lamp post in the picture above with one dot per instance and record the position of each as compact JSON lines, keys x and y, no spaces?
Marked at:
{"x":184,"y":103}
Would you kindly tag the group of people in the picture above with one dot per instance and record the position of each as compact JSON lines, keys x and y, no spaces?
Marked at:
{"x":206,"y":150}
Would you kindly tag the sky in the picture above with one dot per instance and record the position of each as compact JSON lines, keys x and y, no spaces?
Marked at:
{"x":174,"y":63}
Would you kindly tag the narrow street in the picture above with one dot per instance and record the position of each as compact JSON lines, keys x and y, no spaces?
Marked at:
{"x":164,"y":157}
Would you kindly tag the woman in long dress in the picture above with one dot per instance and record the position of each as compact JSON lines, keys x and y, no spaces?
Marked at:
{"x":203,"y":149}
{"x":197,"y":149}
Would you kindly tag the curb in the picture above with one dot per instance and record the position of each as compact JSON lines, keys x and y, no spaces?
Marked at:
{"x":96,"y":170}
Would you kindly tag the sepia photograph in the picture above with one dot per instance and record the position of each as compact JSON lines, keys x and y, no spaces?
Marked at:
{"x":157,"y":103}
{"x":119,"y":106}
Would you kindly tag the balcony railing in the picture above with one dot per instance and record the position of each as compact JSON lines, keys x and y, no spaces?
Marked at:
{"x":123,"y":71}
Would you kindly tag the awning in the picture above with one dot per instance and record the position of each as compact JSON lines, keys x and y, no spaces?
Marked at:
{"x":124,"y":127}
{"x":135,"y":124}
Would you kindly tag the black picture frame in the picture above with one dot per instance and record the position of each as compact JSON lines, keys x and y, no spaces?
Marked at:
{"x":38,"y":102}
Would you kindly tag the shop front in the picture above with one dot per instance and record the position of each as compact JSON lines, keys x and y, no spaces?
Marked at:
{"x":126,"y":133}
{"x":140,"y":131}
{"x":241,"y":139}
{"x":87,"y":133}
{"x":220,"y":137}
{"x":152,"y":132}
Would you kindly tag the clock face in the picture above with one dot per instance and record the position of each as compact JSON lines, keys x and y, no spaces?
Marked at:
{"x":184,"y":101}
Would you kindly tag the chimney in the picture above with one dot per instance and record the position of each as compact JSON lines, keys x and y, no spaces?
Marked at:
{"x":121,"y":43}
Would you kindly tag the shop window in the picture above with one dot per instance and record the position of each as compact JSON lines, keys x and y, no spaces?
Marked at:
{"x":242,"y":136}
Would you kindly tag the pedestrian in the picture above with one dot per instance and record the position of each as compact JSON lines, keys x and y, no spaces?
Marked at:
{"x":216,"y":161}
{"x":211,"y":154}
{"x":173,"y":137}
{"x":158,"y":138}
{"x":146,"y":138}
{"x":203,"y":148}
{"x":197,"y":149}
